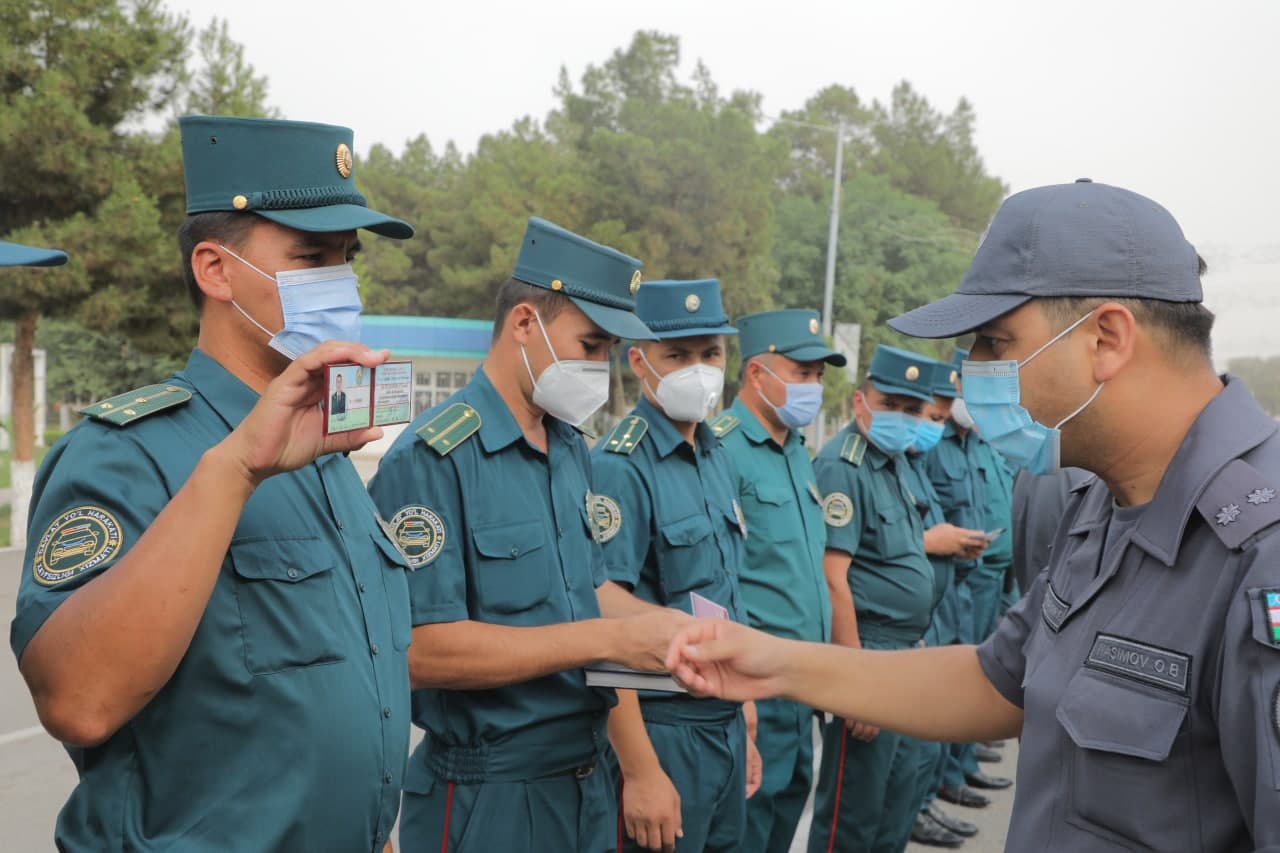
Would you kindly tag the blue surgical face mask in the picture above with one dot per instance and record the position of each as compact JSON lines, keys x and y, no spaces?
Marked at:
{"x":802,"y":403}
{"x":892,"y":432}
{"x":928,"y":434}
{"x":993,"y":395}
{"x":318,"y":304}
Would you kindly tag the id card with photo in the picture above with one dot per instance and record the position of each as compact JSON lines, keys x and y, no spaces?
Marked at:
{"x":357,"y":397}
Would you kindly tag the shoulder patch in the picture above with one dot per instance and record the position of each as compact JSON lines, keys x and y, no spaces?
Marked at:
{"x":605,"y":515}
{"x":853,"y":449}
{"x":626,"y":436}
{"x":419,"y":533}
{"x":837,"y":509}
{"x":450,"y":428}
{"x":724,"y":424}
{"x":1239,"y":503}
{"x":78,"y":540}
{"x":124,"y":409}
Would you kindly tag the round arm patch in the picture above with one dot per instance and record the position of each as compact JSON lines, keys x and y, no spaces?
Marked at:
{"x":77,"y":541}
{"x":605,"y":515}
{"x":837,"y":509}
{"x":420,"y":533}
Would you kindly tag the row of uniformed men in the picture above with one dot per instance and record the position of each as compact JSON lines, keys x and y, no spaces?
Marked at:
{"x":218,"y":623}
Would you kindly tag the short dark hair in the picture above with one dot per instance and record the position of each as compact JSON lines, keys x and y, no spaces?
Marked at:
{"x":513,"y":292}
{"x":222,"y":226}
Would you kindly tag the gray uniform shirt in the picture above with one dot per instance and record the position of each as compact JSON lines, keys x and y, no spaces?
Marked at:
{"x":1150,"y":678}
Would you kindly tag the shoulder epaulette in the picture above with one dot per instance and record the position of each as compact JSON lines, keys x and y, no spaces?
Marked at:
{"x":724,"y":424}
{"x":853,"y":449}
{"x":124,"y":409}
{"x":626,"y":435}
{"x":450,"y":428}
{"x":1239,"y":503}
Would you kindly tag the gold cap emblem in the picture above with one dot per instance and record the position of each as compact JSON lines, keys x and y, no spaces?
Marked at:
{"x":954,"y":376}
{"x":343,"y":160}
{"x":692,"y":303}
{"x":635,"y":282}
{"x":557,"y":284}
{"x":813,"y":325}
{"x":913,"y":373}
{"x":239,"y":202}
{"x":772,"y":348}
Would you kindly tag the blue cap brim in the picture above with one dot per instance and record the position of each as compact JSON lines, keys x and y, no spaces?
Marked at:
{"x":813,"y":352}
{"x":616,"y":321}
{"x":18,"y":255}
{"x":957,"y":314}
{"x":340,"y":217}
{"x":901,"y":390}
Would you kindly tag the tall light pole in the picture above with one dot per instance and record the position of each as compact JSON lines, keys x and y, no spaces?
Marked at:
{"x":829,"y":284}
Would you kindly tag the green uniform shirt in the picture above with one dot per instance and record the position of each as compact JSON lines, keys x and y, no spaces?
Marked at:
{"x":285,"y":725}
{"x":930,"y":507}
{"x":871,"y":516}
{"x":997,"y":505}
{"x":952,"y":466}
{"x":499,"y":533}
{"x":782,"y":583}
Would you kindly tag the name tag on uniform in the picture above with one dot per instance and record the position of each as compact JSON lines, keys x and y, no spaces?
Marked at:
{"x":1141,"y":662}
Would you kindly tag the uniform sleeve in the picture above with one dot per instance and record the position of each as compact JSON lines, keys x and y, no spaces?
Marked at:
{"x":623,"y":517}
{"x":841,"y":504}
{"x":416,"y":492}
{"x":1248,"y":699}
{"x":94,"y":496}
{"x":1003,"y":654}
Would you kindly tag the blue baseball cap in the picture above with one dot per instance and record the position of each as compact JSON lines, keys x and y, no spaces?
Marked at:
{"x":1068,"y":240}
{"x":18,"y":255}
{"x":683,"y":309}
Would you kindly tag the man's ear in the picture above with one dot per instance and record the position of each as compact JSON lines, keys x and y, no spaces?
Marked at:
{"x":1115,"y":340}
{"x":211,"y":270}
{"x":522,"y":323}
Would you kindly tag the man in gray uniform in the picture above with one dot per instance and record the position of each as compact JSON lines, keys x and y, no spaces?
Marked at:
{"x":1142,"y":669}
{"x":1039,"y":500}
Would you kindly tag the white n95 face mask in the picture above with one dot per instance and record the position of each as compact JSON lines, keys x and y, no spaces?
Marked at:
{"x":568,"y":390}
{"x":318,"y":304}
{"x":689,"y":394}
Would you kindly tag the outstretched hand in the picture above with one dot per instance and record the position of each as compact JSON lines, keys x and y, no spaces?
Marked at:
{"x":715,"y":657}
{"x":285,"y":429}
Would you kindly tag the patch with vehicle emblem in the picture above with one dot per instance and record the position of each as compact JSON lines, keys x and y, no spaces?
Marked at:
{"x":605,"y":515}
{"x":837,"y":509}
{"x":420,"y":534}
{"x":78,"y":540}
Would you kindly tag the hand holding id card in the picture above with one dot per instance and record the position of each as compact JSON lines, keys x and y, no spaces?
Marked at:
{"x":358,"y":397}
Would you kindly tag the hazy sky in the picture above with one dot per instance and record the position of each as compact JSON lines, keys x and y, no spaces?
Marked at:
{"x":1172,"y":99}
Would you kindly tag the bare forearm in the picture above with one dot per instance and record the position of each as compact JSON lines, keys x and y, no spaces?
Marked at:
{"x":844,"y":618}
{"x":628,"y":736}
{"x":473,"y":655}
{"x":115,"y":642}
{"x":617,"y":602}
{"x":938,"y":694}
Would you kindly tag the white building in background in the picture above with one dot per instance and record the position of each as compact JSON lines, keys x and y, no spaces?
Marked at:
{"x":6,"y":396}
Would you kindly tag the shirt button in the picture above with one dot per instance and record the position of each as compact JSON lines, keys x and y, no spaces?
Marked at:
{"x":339,"y":524}
{"x":387,"y":779}
{"x":293,"y":573}
{"x":515,"y":552}
{"x":386,"y":713}
{"x":374,"y":648}
{"x":362,"y":587}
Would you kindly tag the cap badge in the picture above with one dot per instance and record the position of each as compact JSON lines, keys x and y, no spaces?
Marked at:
{"x":692,"y":303}
{"x":343,"y":160}
{"x":813,"y":325}
{"x":954,"y":377}
{"x":913,"y":373}
{"x":635,"y":282}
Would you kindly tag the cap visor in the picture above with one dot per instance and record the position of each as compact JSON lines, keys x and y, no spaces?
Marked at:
{"x":814,"y":352}
{"x":694,"y":333}
{"x":18,"y":255}
{"x":616,"y":321}
{"x":901,"y":390}
{"x":949,"y":392}
{"x":956,"y":314}
{"x":340,"y":217}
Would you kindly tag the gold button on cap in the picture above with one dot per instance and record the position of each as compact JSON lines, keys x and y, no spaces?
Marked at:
{"x":239,"y":202}
{"x":557,"y":284}
{"x":913,"y":373}
{"x":813,"y":325}
{"x":692,"y":303}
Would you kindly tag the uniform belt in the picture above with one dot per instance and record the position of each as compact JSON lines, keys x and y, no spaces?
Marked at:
{"x":887,"y":637}
{"x":687,"y":711}
{"x":558,"y":748}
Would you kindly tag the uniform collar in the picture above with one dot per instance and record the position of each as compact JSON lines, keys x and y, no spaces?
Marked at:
{"x":498,"y":427}
{"x":220,"y":388}
{"x":754,"y":429}
{"x":663,"y":433}
{"x":1230,"y":426}
{"x":877,"y":457}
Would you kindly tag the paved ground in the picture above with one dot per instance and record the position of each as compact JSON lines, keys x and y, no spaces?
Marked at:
{"x":36,"y":775}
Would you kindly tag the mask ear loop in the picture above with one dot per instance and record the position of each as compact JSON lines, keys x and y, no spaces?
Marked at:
{"x":236,"y":305}
{"x":1086,"y":405}
{"x":524,"y":355}
{"x":1068,"y":330}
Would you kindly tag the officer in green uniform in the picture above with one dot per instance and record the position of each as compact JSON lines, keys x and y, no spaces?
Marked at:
{"x":490,"y":492}
{"x":882,"y":592}
{"x":987,"y":580}
{"x":213,"y":620}
{"x":783,"y":360}
{"x":667,"y":507}
{"x":944,"y":543}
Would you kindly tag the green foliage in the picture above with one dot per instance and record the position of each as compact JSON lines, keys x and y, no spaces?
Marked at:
{"x":1262,"y":375}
